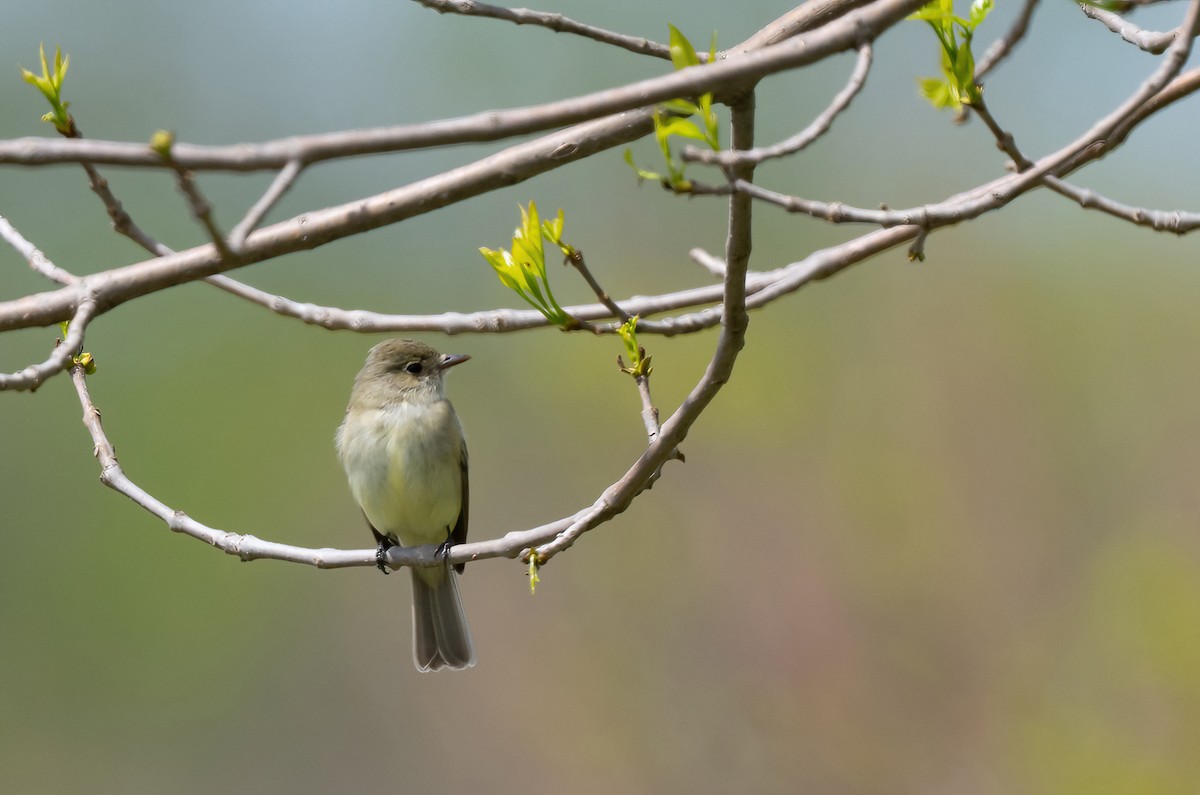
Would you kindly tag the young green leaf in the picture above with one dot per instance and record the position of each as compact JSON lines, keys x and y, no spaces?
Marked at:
{"x":49,"y":82}
{"x":682,"y":53}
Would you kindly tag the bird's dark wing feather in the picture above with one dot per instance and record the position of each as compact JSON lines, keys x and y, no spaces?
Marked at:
{"x":459,"y":534}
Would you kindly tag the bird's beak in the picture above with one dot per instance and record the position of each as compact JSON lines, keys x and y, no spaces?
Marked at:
{"x":451,"y":359}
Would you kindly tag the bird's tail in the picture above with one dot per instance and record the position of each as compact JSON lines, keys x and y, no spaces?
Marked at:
{"x":441,"y":637}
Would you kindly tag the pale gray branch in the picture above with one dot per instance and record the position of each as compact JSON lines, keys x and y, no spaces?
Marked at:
{"x":803,"y":18}
{"x":802,"y":139}
{"x":1176,"y":221}
{"x":279,"y":186}
{"x":556,"y":22}
{"x":38,"y":261}
{"x":1002,"y":46}
{"x":1151,"y":41}
{"x":59,"y":360}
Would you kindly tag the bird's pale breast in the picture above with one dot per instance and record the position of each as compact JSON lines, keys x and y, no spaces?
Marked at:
{"x":404,"y":463}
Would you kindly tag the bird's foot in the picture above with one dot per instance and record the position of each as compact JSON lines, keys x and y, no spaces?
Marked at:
{"x":381,"y":557}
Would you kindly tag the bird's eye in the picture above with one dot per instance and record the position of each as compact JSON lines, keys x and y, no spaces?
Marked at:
{"x":413,"y":367}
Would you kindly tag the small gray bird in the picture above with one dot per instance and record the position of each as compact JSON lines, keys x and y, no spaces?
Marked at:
{"x":403,"y":450}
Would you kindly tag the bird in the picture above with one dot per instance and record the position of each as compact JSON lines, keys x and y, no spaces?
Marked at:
{"x":405,"y":456}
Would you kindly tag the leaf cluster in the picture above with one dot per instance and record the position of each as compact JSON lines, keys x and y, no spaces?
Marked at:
{"x":49,"y":82}
{"x":523,"y":269}
{"x":957,"y":85}
{"x":673,"y":119}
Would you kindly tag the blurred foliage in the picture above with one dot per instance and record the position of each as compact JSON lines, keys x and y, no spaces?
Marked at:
{"x":937,"y":533}
{"x":672,"y":119}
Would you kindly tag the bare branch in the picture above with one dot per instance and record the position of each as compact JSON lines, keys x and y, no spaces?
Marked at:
{"x":1178,"y":222}
{"x":713,"y":265}
{"x":575,"y":259}
{"x":1004,"y":45}
{"x":202,"y":210}
{"x":279,"y":186}
{"x":805,"y":17}
{"x":649,"y":411}
{"x":59,"y":360}
{"x":556,"y":22}
{"x":245,"y":547}
{"x":33,"y":255}
{"x":1148,"y":40}
{"x":121,"y":220}
{"x":802,"y":139}
{"x":512,"y":320}
{"x":1005,"y":141}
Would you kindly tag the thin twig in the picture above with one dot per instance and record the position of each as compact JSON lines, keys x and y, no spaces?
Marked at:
{"x":202,"y":210}
{"x":1178,"y":222}
{"x":651,"y":423}
{"x":279,"y":186}
{"x":121,"y":220}
{"x":38,"y":261}
{"x":124,"y":224}
{"x":714,"y":265}
{"x":555,"y":22}
{"x":60,"y":359}
{"x":1005,"y":141}
{"x":1004,"y":45}
{"x":575,"y":259}
{"x":802,"y":139}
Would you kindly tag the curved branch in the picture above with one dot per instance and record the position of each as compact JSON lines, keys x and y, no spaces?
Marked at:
{"x":1002,"y":46}
{"x":555,"y":22}
{"x":38,"y":261}
{"x":802,"y":139}
{"x":1151,"y":41}
{"x":616,"y":498}
{"x":62,"y":357}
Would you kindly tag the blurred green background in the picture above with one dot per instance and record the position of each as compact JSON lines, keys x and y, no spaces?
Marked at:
{"x":938,"y":534}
